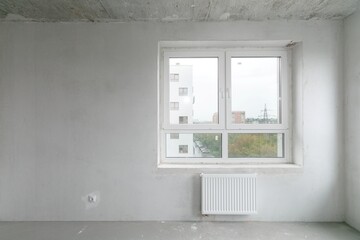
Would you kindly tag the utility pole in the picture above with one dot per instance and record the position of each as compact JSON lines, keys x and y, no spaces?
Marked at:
{"x":265,"y":115}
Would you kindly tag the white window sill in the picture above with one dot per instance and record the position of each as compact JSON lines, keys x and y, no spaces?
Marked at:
{"x":230,"y":166}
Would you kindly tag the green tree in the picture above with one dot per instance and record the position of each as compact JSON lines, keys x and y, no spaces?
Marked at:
{"x":252,"y":145}
{"x":211,"y":142}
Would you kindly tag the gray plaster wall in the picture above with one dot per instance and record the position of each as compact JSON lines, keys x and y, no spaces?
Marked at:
{"x":352,"y":103}
{"x":173,"y":10}
{"x":78,"y":115}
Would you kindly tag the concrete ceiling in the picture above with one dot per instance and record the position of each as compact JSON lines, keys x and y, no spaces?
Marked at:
{"x":173,"y":10}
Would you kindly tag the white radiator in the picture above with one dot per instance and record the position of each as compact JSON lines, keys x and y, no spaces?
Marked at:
{"x":228,"y":194}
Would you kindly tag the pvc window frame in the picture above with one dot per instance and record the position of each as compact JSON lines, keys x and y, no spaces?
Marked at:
{"x":224,"y":127}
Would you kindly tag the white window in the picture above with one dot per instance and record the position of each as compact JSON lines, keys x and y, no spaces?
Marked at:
{"x":174,"y":136}
{"x":174,"y":105}
{"x":183,"y":91}
{"x":183,"y":120}
{"x":241,"y":112}
{"x":183,"y":148}
{"x":174,"y":77}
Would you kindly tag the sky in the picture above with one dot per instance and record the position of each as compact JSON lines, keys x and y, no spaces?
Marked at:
{"x":254,"y":83}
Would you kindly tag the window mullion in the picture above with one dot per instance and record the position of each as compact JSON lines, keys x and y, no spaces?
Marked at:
{"x":224,"y":102}
{"x":222,"y":97}
{"x":225,"y":151}
{"x":228,"y":89}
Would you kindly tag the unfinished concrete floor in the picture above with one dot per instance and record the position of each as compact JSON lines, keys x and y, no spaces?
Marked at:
{"x":175,"y":230}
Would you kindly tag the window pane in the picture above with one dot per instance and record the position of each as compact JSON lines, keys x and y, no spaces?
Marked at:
{"x":193,"y":145}
{"x":174,"y":136}
{"x":194,"y":85}
{"x":174,"y":106}
{"x":183,"y":91}
{"x":183,"y":120}
{"x":255,"y":90}
{"x":256,"y":145}
{"x":174,"y":77}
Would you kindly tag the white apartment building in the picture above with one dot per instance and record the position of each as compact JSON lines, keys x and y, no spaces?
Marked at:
{"x":181,"y":111}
